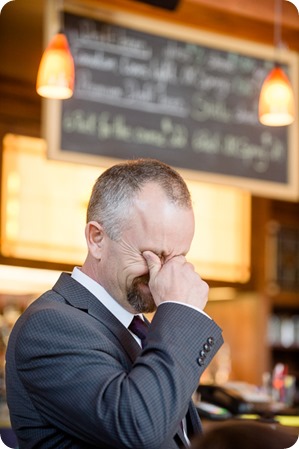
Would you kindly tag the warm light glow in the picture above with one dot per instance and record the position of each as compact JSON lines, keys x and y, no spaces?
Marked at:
{"x":23,"y":280}
{"x":276,"y":104}
{"x":43,"y":216}
{"x":221,"y":246}
{"x":56,"y":73}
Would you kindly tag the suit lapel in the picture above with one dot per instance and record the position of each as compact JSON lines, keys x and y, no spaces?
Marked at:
{"x":79,"y":297}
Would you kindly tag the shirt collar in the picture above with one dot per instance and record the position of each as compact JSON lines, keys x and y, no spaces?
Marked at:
{"x":103,"y":296}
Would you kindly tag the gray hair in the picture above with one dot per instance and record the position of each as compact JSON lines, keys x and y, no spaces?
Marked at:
{"x":114,"y":192}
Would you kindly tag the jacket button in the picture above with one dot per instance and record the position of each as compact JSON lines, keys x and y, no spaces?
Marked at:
{"x":202,"y":354}
{"x":200,"y":361}
{"x":210,"y":341}
{"x":206,"y":347}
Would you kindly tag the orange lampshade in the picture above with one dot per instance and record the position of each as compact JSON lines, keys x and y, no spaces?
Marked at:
{"x":276,"y":103}
{"x":56,"y":73}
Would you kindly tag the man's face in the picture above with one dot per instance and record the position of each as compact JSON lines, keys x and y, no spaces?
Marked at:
{"x":156,"y":225}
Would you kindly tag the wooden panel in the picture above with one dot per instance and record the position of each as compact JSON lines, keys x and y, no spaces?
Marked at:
{"x":19,"y":102}
{"x":244,"y":331}
{"x":252,"y":20}
{"x":262,"y":11}
{"x":286,"y":216}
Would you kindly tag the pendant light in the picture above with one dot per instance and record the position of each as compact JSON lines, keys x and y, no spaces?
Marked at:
{"x":276,"y":102}
{"x":276,"y":105}
{"x":56,"y":73}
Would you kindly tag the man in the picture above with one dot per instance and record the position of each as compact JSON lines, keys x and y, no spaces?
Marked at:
{"x":76,"y":375}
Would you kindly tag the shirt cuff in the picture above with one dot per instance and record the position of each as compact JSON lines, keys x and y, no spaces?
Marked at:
{"x":188,"y":305}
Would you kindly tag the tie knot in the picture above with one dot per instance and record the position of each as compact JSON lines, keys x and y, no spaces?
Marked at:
{"x":139,"y":328}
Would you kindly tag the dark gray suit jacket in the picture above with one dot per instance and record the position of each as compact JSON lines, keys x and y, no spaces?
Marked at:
{"x":76,"y":378}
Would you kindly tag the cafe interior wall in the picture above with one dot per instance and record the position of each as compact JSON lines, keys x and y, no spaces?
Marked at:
{"x":244,"y":313}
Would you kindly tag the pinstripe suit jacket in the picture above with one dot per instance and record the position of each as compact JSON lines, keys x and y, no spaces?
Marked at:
{"x":76,"y":378}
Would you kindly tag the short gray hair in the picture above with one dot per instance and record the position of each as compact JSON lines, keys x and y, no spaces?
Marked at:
{"x":114,"y":191}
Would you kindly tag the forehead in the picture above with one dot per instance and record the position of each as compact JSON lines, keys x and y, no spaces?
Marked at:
{"x":160,"y":225}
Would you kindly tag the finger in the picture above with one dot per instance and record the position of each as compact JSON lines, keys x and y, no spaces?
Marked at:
{"x":153,"y":262}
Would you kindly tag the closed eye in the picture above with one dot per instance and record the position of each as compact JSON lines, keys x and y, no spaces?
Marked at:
{"x":162,"y":258}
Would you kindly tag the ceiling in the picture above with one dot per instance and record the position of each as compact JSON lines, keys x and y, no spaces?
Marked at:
{"x":21,"y":29}
{"x":21,"y":25}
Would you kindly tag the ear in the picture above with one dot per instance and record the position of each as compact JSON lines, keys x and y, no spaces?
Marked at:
{"x":94,"y":234}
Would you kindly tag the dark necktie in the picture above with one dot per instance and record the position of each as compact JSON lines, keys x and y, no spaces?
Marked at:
{"x":139,"y":328}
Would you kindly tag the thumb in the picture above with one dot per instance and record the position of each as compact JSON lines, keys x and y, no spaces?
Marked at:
{"x":153,"y":263}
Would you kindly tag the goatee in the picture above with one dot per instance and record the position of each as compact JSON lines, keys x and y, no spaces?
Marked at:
{"x":141,"y":301}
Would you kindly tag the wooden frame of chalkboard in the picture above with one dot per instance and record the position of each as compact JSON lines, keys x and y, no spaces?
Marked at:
{"x":146,"y":88}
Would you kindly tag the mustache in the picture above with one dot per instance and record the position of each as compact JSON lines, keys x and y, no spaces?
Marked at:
{"x":144,"y":279}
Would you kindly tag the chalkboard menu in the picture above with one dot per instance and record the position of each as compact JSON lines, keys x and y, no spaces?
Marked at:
{"x":192,"y":106}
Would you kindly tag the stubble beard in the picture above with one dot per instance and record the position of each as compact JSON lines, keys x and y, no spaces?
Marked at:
{"x":142,"y":302}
